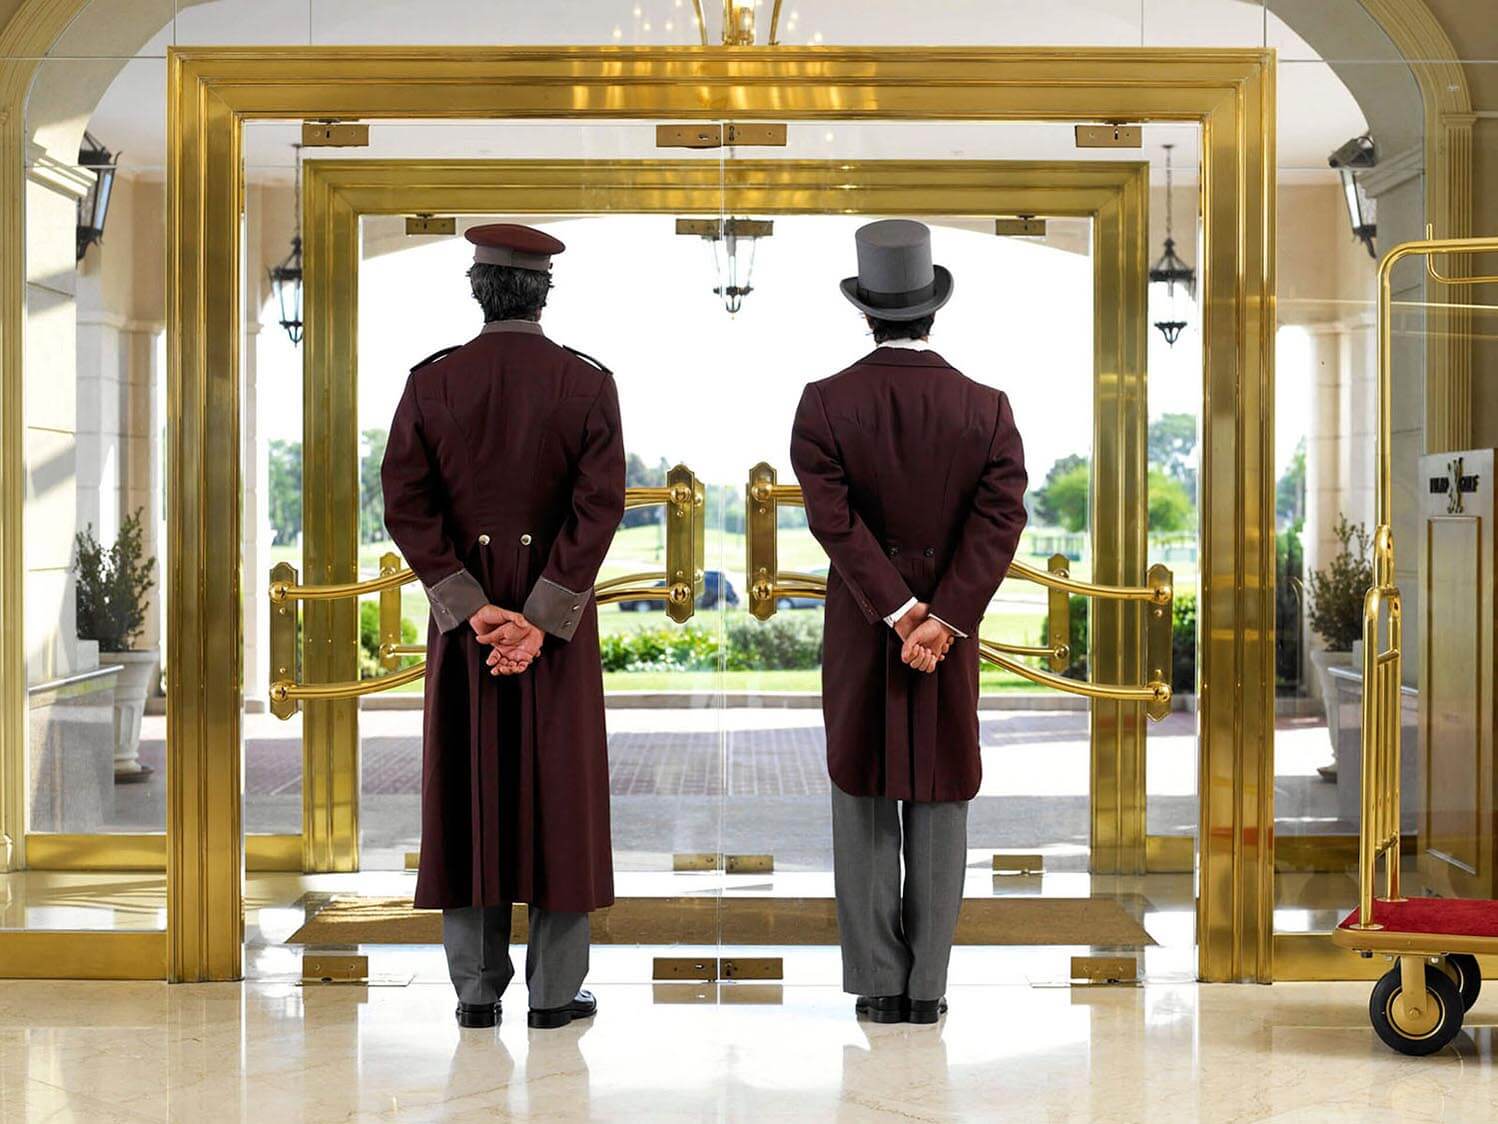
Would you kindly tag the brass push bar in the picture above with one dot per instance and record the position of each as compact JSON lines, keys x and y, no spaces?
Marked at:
{"x":1383,"y":663}
{"x":1154,"y":694}
{"x":678,"y":586}
{"x":1062,"y":580}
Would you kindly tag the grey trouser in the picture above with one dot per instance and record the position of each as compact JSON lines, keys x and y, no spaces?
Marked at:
{"x":477,"y":940}
{"x":897,"y":938}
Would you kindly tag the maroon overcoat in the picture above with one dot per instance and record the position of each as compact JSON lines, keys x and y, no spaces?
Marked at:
{"x":504,"y":484}
{"x":914,"y":479}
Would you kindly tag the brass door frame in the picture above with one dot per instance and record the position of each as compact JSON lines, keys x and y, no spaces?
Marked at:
{"x":1229,"y":93}
{"x":339,"y":193}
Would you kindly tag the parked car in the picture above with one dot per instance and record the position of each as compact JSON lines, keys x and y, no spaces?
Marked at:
{"x":715,"y":588}
{"x":792,"y":602}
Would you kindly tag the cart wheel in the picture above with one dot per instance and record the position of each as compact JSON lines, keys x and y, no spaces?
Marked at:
{"x":1464,"y":972}
{"x":1437,"y":1025}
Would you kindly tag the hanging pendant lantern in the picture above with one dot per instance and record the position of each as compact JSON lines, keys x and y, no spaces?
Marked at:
{"x":286,"y":276}
{"x":733,"y":269}
{"x":1358,"y":154}
{"x":1177,"y":280}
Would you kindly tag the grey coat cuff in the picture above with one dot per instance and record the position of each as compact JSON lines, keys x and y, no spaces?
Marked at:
{"x":455,"y":598}
{"x":555,"y":609}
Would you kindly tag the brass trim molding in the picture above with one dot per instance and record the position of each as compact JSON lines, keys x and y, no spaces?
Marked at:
{"x":74,"y":954}
{"x":213,"y":91}
{"x":147,"y":851}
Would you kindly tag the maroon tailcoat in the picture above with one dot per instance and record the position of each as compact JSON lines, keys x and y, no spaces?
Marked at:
{"x":914,"y":479}
{"x":504,"y":484}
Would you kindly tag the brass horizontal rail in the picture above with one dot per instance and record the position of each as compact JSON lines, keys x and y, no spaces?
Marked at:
{"x":795,"y":577}
{"x":679,"y":494}
{"x":284,"y":690}
{"x":1157,"y":594}
{"x":290,"y":591}
{"x":1040,"y":651}
{"x":388,"y":651}
{"x":641,"y":587}
{"x":1155,"y":692}
{"x":780,"y":493}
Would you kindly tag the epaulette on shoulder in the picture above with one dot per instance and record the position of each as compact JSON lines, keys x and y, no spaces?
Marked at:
{"x":436,"y":355}
{"x":583,"y":355}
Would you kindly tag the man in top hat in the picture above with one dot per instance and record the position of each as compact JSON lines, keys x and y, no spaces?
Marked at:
{"x":914,"y":480}
{"x":504,"y":484}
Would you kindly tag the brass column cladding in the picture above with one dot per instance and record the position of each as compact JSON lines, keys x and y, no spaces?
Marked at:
{"x":204,"y":776}
{"x":1229,"y":91}
{"x":1119,"y":525}
{"x":15,"y":80}
{"x":330,"y":527}
{"x":1235,"y":619}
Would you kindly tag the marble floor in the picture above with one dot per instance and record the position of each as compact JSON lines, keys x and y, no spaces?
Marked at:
{"x":1161,"y":1053}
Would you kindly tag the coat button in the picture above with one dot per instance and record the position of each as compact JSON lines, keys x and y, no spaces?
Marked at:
{"x":894,"y":551}
{"x":931,"y":552}
{"x":483,"y":540}
{"x":525,"y":540}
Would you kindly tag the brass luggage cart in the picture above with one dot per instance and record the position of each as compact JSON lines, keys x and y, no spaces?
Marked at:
{"x":1417,"y":1007}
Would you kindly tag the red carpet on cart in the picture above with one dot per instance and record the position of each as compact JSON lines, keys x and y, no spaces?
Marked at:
{"x":1464,"y":917}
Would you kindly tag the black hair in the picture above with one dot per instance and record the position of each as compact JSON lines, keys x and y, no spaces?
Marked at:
{"x":507,"y":293}
{"x":901,"y":329}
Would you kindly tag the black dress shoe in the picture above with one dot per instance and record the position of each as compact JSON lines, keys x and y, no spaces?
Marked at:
{"x":881,"y":1008}
{"x":478,"y":1014}
{"x":584,"y":1006}
{"x":925,"y":1010}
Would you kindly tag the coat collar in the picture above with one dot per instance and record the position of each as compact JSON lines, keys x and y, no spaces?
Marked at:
{"x":529,"y":327}
{"x":903,"y":357}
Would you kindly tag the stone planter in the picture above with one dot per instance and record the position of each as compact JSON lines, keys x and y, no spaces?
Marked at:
{"x":137,"y":669}
{"x":1324,"y":661}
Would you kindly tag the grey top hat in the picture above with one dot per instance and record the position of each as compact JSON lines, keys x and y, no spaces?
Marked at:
{"x":896,"y":280}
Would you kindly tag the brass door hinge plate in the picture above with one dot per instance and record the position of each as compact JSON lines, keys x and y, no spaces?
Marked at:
{"x":1020,"y":228}
{"x":413,"y":860}
{"x":752,"y":968}
{"x":1104,"y":969}
{"x":694,"y":860}
{"x":334,"y":968}
{"x":715,"y":229}
{"x":749,"y":864}
{"x":1110,"y":136}
{"x":431,"y":224}
{"x":335,"y":134}
{"x":1015,"y":862}
{"x":760,"y":134}
{"x":709,"y":969}
{"x":685,"y":968}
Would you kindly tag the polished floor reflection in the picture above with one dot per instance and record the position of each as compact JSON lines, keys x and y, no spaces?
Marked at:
{"x":263,"y":1051}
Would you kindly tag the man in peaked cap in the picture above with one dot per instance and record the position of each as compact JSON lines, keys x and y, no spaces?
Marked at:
{"x":914,"y":481}
{"x":504,"y":484}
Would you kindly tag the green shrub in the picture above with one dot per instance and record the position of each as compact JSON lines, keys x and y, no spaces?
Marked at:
{"x":1336,"y":593}
{"x":785,"y":642}
{"x":112,"y":586}
{"x":1183,"y":644}
{"x":661,"y":648}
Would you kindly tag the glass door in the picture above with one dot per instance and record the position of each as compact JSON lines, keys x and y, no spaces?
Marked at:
{"x":707,"y":281}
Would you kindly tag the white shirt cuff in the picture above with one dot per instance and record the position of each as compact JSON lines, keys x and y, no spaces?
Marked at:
{"x":953,"y":629}
{"x":894,"y":618}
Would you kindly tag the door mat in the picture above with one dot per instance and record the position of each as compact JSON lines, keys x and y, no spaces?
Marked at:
{"x":1093,"y":922}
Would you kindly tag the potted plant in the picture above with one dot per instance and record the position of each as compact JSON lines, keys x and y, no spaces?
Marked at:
{"x":112,"y":589}
{"x":1335,"y":611}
